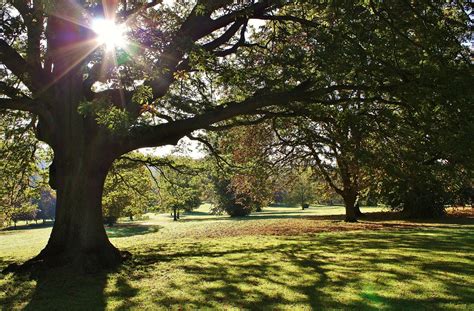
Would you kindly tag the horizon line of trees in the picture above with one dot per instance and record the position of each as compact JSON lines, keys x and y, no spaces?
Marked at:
{"x":239,"y":180}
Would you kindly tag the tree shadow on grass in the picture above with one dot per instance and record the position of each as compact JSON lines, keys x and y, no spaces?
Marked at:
{"x":55,"y":289}
{"x":275,"y":213}
{"x":319,"y":270}
{"x":12,"y":229}
{"x":127,"y":230}
{"x":380,"y":217}
{"x":196,"y":213}
{"x":63,"y":289}
{"x":5,"y":262}
{"x":251,"y":217}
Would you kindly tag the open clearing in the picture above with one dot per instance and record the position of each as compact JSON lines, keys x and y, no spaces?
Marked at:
{"x":282,"y":258}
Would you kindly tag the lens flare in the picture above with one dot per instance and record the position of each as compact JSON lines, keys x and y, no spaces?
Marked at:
{"x":109,"y":33}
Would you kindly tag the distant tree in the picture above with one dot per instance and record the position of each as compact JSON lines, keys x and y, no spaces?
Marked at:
{"x":18,"y":168}
{"x":252,"y":177}
{"x":46,"y":204}
{"x":226,"y":200}
{"x":325,"y":194}
{"x":25,"y":212}
{"x":335,"y":141}
{"x":301,"y":187}
{"x":242,"y":175}
{"x":128,"y":191}
{"x":180,"y":186}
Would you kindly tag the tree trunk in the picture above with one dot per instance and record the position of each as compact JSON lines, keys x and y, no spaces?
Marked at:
{"x":349,"y":203}
{"x":174,"y":214}
{"x":357,"y":210}
{"x":78,"y":237}
{"x":83,"y":154}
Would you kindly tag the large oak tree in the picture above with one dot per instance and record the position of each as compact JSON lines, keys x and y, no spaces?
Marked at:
{"x":95,"y":104}
{"x":190,"y":65}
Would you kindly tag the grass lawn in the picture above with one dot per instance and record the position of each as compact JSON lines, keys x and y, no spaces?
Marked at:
{"x":281,"y":259}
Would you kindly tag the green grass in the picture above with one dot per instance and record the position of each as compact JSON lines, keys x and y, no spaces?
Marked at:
{"x":261,"y":262}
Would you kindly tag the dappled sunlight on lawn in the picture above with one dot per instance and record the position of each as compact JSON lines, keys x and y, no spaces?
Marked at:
{"x":305,"y":262}
{"x":407,"y":269}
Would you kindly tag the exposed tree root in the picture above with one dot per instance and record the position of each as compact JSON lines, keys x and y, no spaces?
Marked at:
{"x":350,"y":219}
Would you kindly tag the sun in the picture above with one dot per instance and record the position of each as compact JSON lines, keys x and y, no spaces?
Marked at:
{"x":109,"y":33}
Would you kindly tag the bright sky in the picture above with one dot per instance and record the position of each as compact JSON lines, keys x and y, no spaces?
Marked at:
{"x":185,"y":147}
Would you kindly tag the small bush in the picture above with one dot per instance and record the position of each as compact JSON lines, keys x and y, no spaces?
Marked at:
{"x":229,"y":202}
{"x":422,"y":197}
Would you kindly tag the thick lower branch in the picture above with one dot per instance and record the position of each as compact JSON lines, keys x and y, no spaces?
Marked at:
{"x":22,"y":104}
{"x":171,"y":132}
{"x":26,"y":72}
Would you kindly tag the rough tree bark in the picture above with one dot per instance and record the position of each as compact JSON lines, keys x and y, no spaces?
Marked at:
{"x":78,"y":234}
{"x":83,"y":154}
{"x":350,"y":199}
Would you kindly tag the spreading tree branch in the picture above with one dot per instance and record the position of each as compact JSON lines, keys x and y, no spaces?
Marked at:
{"x":29,"y":74}
{"x":171,"y":132}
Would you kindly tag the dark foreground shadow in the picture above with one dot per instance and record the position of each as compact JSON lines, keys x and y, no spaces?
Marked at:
{"x":64,"y":289}
{"x":56,"y":289}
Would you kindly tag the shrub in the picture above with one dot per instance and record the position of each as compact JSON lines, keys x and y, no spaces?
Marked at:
{"x":226,"y":200}
{"x":417,"y":196}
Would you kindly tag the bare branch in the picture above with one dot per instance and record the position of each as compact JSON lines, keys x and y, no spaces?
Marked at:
{"x":213,"y":152}
{"x":139,"y":8}
{"x":155,"y":162}
{"x":289,"y":18}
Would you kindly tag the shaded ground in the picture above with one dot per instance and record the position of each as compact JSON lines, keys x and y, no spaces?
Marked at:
{"x":380,"y":263}
{"x":127,"y":230}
